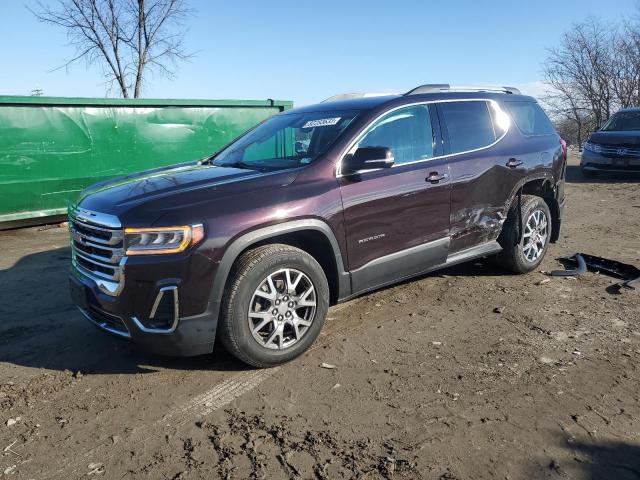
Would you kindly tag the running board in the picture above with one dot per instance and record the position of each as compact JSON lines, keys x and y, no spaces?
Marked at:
{"x":478,"y":251}
{"x":483,"y":250}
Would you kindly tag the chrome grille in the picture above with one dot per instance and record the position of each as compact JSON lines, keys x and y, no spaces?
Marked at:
{"x":97,"y":252}
{"x":620,"y":150}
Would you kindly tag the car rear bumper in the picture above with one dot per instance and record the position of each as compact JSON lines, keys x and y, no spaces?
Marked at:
{"x":594,"y":162}
{"x":558,"y":220}
{"x":182,"y":336}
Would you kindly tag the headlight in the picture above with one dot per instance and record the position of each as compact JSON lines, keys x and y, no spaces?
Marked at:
{"x":154,"y":241}
{"x":592,"y":147}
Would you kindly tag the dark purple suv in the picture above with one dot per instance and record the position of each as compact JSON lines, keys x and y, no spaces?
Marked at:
{"x":312,"y":207}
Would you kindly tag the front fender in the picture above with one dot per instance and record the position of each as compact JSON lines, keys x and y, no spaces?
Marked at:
{"x":253,"y":237}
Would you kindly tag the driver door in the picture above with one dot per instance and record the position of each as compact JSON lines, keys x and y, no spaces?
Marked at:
{"x":397,"y":219}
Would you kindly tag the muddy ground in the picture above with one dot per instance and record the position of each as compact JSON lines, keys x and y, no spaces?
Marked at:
{"x":430,"y":380}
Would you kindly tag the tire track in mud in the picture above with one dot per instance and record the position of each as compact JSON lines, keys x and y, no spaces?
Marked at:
{"x":219,"y":396}
{"x":197,"y":407}
{"x":201,"y":405}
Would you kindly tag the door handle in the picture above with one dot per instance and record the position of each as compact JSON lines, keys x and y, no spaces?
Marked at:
{"x":435,"y":177}
{"x":513,"y":163}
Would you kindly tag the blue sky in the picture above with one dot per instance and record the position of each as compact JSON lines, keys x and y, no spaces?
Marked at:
{"x":306,"y":51}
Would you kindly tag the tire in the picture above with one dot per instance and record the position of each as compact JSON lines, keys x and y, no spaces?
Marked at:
{"x":519,"y":258}
{"x":278,"y":340}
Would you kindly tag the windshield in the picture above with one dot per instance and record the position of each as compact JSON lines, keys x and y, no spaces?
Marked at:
{"x":286,"y":141}
{"x":623,"y":122}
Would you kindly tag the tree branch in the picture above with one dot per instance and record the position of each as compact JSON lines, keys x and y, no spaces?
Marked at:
{"x":127,"y":38}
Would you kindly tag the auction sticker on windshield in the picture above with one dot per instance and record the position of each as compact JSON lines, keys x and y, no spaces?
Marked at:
{"x":321,"y":122}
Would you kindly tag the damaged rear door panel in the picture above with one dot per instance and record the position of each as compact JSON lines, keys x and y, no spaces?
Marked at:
{"x":481,"y":180}
{"x":487,"y":173}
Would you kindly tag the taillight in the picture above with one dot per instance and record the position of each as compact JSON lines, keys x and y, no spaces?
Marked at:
{"x":564,"y":146}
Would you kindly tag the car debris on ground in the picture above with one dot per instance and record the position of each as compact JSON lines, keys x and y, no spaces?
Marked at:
{"x":629,"y":274}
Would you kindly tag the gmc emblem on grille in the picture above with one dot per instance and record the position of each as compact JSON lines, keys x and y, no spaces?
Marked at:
{"x":622,"y":151}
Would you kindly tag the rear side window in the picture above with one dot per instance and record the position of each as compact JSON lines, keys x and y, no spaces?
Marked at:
{"x":530,"y":118}
{"x":469,"y":125}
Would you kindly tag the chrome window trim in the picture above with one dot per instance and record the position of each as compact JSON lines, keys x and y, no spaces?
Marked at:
{"x":428,"y":102}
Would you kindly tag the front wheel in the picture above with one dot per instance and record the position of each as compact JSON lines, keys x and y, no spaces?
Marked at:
{"x":274,"y":306}
{"x":525,"y":255}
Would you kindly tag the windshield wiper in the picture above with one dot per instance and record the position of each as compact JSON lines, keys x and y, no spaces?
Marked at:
{"x":238,"y":164}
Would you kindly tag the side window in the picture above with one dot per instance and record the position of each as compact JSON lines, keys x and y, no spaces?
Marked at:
{"x":407,"y":132}
{"x":530,"y":118}
{"x":469,"y":125}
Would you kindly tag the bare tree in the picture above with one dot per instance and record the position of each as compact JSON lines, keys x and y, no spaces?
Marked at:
{"x":594,"y":71}
{"x":572,"y":119}
{"x":129,"y":39}
{"x":580,"y":68}
{"x":625,"y":81}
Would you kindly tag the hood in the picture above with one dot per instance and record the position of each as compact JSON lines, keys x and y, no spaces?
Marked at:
{"x":144,"y":197}
{"x":616,"y":138}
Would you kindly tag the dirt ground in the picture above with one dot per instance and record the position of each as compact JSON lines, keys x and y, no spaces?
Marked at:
{"x":469,"y":373}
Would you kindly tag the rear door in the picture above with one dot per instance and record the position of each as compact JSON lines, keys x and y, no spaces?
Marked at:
{"x":397,"y":219}
{"x":484,"y":169}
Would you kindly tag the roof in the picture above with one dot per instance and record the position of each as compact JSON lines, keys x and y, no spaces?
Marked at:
{"x":368,"y":103}
{"x":445,"y":87}
{"x":629,"y":109}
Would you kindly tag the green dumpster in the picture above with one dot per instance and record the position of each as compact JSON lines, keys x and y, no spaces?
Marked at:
{"x":53,"y":147}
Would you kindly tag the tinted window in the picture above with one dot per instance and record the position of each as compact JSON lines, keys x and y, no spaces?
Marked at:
{"x":287,"y":140}
{"x":469,"y":125}
{"x":623,"y":122}
{"x":530,"y":118}
{"x":407,"y":132}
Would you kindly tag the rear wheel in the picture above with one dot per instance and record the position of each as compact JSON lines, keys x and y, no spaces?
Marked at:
{"x":525,"y":255}
{"x":274,"y":306}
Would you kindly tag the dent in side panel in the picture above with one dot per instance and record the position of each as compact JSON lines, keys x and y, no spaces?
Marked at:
{"x":479,"y":201}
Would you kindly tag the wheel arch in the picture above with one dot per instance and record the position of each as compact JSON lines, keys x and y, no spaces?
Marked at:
{"x":544,"y":187}
{"x":310,"y":235}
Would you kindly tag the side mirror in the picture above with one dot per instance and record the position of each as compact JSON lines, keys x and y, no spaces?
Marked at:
{"x":367,"y":158}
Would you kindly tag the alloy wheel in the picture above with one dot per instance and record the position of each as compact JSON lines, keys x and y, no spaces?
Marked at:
{"x":536,"y":232}
{"x":282,"y":309}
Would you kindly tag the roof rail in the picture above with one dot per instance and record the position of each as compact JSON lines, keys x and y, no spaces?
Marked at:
{"x":445,"y":87}
{"x":349,"y":96}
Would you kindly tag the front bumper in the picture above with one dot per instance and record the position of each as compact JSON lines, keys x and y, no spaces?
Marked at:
{"x":595,"y":162}
{"x":162,"y":302}
{"x":193,"y":335}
